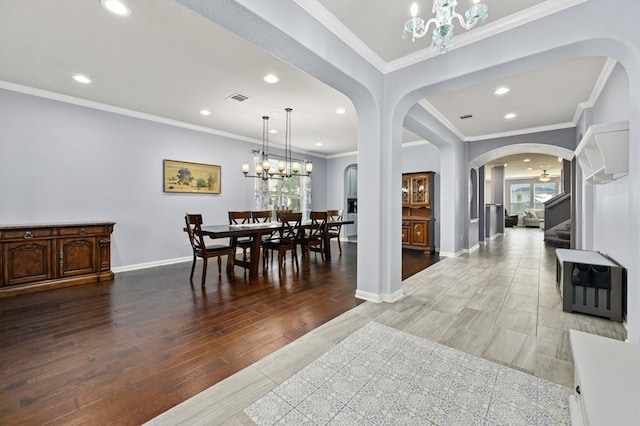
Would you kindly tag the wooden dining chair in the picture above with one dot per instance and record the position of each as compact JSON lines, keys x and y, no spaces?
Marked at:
{"x":334,"y":231}
{"x":280,"y":212}
{"x":241,"y":218}
{"x":201,"y":250}
{"x":261,"y":216}
{"x":285,"y":240}
{"x":312,"y":239}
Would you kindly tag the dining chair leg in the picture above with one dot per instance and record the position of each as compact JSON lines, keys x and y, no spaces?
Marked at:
{"x":204,"y":270}
{"x":219,"y":265}
{"x":339,"y":245}
{"x":193,"y":268}
{"x":280,"y":261}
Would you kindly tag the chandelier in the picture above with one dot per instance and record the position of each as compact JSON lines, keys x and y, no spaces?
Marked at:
{"x":445,"y":11}
{"x":544,"y":177}
{"x":287,"y":166}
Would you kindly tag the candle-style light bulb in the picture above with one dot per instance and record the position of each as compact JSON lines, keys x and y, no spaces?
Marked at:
{"x":266,"y":165}
{"x":308,"y":167}
{"x":414,"y":9}
{"x":281,"y":166}
{"x":295,"y":167}
{"x":258,"y":170}
{"x":245,"y":168}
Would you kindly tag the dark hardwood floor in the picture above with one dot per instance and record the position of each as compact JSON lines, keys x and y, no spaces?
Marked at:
{"x":124,"y":351}
{"x":414,"y":261}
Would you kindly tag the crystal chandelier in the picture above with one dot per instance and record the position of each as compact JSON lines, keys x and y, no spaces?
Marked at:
{"x":544,"y":177}
{"x":445,"y":11}
{"x":287,"y":166}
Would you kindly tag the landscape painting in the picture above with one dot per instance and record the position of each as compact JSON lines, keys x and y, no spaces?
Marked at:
{"x":182,"y":176}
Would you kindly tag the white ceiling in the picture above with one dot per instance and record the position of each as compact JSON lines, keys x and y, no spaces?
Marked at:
{"x":526,"y":166}
{"x":161,"y":60}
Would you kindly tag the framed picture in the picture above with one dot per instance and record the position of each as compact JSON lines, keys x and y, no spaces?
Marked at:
{"x":182,"y":176}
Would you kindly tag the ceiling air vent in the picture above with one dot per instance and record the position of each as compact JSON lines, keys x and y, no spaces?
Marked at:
{"x":465,"y":116}
{"x":238,"y":97}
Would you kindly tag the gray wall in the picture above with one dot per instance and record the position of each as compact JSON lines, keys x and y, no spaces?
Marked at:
{"x":63,"y":163}
{"x":610,"y":212}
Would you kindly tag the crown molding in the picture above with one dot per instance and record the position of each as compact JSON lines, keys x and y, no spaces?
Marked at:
{"x":118,"y":110}
{"x":343,"y":154}
{"x":136,"y":114}
{"x":333,"y":24}
{"x":441,"y":118}
{"x":415,"y":143}
{"x":518,"y":132}
{"x":598,"y":87}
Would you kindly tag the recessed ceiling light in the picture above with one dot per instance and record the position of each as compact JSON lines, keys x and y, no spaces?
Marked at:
{"x":82,"y":79}
{"x":319,"y":144}
{"x":205,"y":112}
{"x":117,"y":7}
{"x":501,"y":90}
{"x":510,"y":116}
{"x":529,"y":168}
{"x":526,"y":160}
{"x":270,"y":78}
{"x":340,"y":111}
{"x":273,"y":131}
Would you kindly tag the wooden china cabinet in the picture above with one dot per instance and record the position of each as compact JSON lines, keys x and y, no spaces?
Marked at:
{"x":417,"y":211}
{"x":40,"y":257}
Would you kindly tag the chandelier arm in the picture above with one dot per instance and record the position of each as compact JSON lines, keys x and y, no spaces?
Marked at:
{"x":462,"y":21}
{"x":433,"y":21}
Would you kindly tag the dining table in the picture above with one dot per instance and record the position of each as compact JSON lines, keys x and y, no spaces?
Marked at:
{"x":256,"y":231}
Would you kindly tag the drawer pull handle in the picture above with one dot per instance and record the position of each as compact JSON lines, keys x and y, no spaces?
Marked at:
{"x":578,"y":390}
{"x":28,"y":235}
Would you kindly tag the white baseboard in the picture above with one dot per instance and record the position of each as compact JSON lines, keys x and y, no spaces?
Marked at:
{"x":469,"y":250}
{"x":146,"y":265}
{"x":379,"y":298}
{"x":451,"y":254}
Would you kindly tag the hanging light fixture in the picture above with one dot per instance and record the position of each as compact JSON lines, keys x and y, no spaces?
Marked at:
{"x":287,"y":166}
{"x":544,"y":177}
{"x":445,"y":11}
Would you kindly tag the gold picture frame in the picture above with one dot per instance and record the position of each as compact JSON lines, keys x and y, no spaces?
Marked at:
{"x":195,"y":178}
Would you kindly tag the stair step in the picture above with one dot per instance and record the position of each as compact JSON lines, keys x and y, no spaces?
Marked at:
{"x":557,"y":242}
{"x":565,"y":235}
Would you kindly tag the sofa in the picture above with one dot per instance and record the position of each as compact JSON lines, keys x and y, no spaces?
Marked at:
{"x":510,"y":220}
{"x":533,"y":218}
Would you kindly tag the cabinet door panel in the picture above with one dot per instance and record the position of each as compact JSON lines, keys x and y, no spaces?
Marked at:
{"x":26,"y":262}
{"x":406,"y":239}
{"x":406,"y":199}
{"x":420,"y":190}
{"x":419,"y":233}
{"x":77,"y":256}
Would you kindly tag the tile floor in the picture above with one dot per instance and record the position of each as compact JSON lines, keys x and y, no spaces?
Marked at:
{"x":380,"y":375}
{"x":498,"y":303}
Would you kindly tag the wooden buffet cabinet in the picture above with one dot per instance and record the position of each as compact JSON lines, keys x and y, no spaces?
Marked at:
{"x":417,"y":211}
{"x":40,"y":257}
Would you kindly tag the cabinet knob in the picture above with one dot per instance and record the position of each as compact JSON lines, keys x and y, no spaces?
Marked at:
{"x":28,"y":235}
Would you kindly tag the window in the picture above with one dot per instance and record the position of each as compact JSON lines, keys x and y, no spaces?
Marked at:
{"x":543,"y":192}
{"x":531,"y":195}
{"x":520,"y":197}
{"x":285,"y":193}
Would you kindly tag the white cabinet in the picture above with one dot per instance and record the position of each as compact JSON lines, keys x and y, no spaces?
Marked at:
{"x":603,"y":152}
{"x":607,"y":373}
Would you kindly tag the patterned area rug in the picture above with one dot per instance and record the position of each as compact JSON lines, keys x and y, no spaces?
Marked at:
{"x":383,"y":376}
